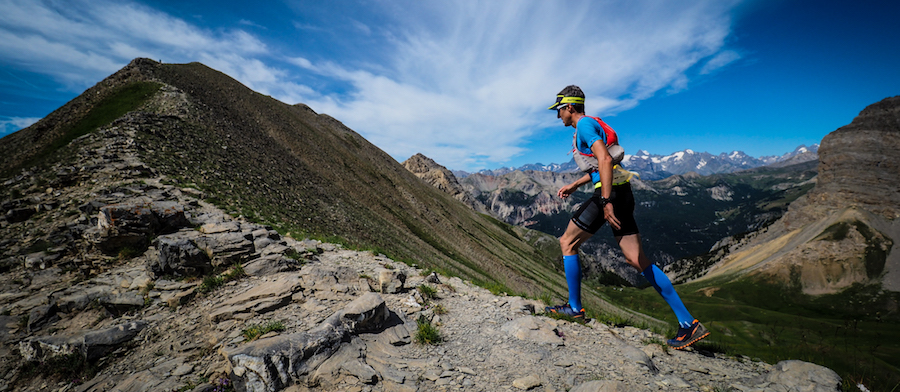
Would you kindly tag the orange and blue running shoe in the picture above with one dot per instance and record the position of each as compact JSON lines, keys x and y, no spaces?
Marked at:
{"x":565,"y":310}
{"x":688,"y":336}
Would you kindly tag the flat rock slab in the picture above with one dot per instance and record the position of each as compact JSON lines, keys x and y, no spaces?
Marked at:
{"x":533,"y":329}
{"x":265,"y":297}
{"x":275,"y":363}
{"x":91,"y":344}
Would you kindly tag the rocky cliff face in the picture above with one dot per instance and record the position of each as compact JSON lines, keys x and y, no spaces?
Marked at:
{"x":441,"y":178}
{"x":844,"y":232}
{"x":859,"y":163}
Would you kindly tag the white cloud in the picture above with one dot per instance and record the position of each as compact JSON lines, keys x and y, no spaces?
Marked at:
{"x":465,"y":83}
{"x":12,"y":124}
{"x":720,"y":60}
{"x":80,"y":42}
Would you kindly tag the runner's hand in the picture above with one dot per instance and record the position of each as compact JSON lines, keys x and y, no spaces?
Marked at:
{"x":610,"y":216}
{"x":567,"y":190}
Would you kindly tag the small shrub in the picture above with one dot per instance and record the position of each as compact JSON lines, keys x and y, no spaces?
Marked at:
{"x":255,"y":331}
{"x":546,"y":297}
{"x":236,"y":272}
{"x":427,"y":333}
{"x":146,"y":289}
{"x":23,"y":321}
{"x":427,"y":292}
{"x":440,"y":309}
{"x":211,"y":283}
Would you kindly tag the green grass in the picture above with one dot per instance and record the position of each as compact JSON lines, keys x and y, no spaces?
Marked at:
{"x":121,"y":101}
{"x":845,"y":332}
{"x":253,"y":332}
{"x":427,"y":333}
{"x":212,"y":282}
{"x":428,"y":292}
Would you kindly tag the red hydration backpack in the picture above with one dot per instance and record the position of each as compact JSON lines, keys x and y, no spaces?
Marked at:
{"x":586,"y":162}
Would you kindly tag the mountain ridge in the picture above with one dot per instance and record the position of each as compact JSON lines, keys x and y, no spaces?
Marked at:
{"x":854,"y":204}
{"x":656,"y":167}
{"x":307,"y":175}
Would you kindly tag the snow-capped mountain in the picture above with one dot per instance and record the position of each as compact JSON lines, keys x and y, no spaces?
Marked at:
{"x":655,"y":167}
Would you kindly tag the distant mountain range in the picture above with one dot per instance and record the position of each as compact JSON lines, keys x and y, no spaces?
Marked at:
{"x":656,"y":167}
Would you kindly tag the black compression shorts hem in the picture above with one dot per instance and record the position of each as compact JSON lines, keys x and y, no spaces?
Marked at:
{"x":589,"y":216}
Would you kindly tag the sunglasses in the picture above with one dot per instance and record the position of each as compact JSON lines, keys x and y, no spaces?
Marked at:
{"x":559,"y":108}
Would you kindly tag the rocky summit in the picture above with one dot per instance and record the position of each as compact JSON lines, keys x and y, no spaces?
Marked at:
{"x":117,"y":277}
{"x":845,"y":231}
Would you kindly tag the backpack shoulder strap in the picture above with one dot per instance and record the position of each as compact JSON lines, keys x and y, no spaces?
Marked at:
{"x":611,"y":137}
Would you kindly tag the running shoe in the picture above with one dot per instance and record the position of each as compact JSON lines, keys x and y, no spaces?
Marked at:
{"x":688,"y":336}
{"x":565,"y":310}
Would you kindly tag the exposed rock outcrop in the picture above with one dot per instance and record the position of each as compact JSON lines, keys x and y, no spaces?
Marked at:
{"x":859,"y":164}
{"x":845,"y":231}
{"x":439,"y":177}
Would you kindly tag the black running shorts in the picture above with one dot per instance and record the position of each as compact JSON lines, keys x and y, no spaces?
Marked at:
{"x":589,"y":217}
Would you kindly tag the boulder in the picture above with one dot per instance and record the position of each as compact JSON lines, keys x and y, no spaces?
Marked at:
{"x":263,"y":298}
{"x":270,"y":264}
{"x":533,"y":329}
{"x":226,"y":248}
{"x":40,"y":260}
{"x":347,"y":360}
{"x":390,"y":281}
{"x":19,"y":214}
{"x":92,"y":345}
{"x":119,"y":304}
{"x":133,"y":224}
{"x":274,"y":363}
{"x":181,"y":256}
{"x":129,"y":217}
{"x":170,"y":216}
{"x":41,"y":316}
{"x":794,"y":375}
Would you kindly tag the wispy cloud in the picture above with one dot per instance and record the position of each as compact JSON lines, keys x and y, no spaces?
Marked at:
{"x":12,"y":124}
{"x":80,"y":42}
{"x":465,"y":83}
{"x":720,"y":60}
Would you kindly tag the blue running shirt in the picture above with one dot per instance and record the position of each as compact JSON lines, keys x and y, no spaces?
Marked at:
{"x":587,"y":132}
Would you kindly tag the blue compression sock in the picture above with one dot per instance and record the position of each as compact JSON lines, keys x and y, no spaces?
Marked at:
{"x":664,"y":287}
{"x":573,"y":280}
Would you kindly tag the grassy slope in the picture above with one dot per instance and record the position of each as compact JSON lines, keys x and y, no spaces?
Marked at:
{"x":775,"y":322}
{"x":45,"y":140}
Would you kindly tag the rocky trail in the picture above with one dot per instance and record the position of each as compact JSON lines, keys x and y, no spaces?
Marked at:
{"x":267,"y":312}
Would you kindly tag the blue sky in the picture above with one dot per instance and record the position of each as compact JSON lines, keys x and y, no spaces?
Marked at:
{"x":467,"y":83}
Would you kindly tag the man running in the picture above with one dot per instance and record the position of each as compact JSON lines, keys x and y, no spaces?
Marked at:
{"x":611,"y":202}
